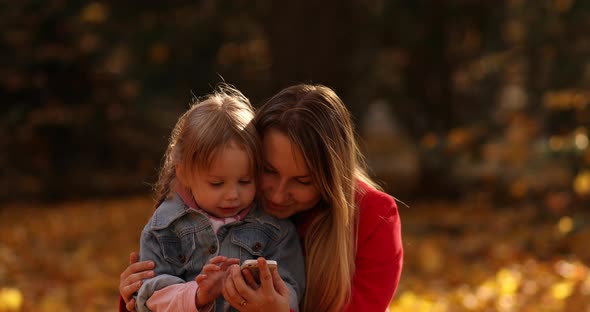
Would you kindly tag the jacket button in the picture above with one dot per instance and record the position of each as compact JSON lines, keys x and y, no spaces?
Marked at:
{"x":182,"y":258}
{"x":212,"y":249}
{"x":257,"y":247}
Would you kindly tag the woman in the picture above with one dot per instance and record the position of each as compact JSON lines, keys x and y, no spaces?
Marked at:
{"x":313,"y":173}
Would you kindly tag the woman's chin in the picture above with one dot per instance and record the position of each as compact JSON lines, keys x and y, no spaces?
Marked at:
{"x":279,"y":213}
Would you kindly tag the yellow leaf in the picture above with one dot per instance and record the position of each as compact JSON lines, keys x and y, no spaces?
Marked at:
{"x":565,"y":225}
{"x":582,"y":183}
{"x":508,"y":280}
{"x":562,"y":290}
{"x":409,"y":301}
{"x":11,"y":299}
{"x":486,"y":291}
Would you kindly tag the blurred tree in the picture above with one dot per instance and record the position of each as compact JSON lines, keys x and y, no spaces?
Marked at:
{"x":312,"y":41}
{"x":93,"y":89}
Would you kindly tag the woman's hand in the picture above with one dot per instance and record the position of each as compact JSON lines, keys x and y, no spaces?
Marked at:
{"x":131,"y":279}
{"x":272,"y":295}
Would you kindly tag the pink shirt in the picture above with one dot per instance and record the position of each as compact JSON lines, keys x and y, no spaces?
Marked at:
{"x":177,"y":297}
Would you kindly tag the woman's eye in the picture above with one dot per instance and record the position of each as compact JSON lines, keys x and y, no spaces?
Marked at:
{"x":269,"y":170}
{"x":304,"y":182}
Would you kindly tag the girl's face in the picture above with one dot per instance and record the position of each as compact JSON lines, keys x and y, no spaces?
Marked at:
{"x":287,"y":187}
{"x":227,"y":186}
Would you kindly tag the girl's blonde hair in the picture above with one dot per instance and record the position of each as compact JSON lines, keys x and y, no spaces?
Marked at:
{"x":222,"y":117}
{"x":315,"y":119}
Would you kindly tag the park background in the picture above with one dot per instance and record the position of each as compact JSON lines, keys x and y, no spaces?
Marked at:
{"x":473,"y":113}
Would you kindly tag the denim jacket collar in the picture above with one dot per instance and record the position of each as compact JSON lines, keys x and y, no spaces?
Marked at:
{"x":174,"y":208}
{"x":256,"y":215}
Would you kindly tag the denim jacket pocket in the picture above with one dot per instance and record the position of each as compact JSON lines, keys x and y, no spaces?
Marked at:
{"x":254,"y":240}
{"x":177,"y":250}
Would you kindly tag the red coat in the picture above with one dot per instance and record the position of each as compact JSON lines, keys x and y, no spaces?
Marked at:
{"x":379,"y":256}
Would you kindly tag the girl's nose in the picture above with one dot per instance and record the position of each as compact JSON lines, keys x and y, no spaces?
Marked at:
{"x":232,"y":194}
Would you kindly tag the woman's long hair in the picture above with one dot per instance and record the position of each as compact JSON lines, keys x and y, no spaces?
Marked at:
{"x":315,"y":119}
{"x":210,"y":123}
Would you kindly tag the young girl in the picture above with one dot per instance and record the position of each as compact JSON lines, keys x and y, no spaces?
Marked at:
{"x":206,"y":219}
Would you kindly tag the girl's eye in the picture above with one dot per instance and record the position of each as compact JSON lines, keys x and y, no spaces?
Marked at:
{"x":215,"y":183}
{"x":245,"y":181}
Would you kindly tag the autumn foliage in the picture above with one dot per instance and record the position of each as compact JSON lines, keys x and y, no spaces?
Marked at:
{"x":459,"y":256}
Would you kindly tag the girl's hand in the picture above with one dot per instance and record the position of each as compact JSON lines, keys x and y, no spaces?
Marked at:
{"x":210,"y":280}
{"x":272,"y":295}
{"x":131,"y":279}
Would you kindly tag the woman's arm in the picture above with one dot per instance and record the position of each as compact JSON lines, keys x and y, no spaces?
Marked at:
{"x":379,"y":263}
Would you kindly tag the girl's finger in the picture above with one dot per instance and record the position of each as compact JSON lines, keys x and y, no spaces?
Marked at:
{"x":217,"y":259}
{"x":229,"y":262}
{"x":200,"y":278}
{"x":211,"y":268}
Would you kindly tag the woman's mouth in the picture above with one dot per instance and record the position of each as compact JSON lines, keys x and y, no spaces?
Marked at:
{"x":272,"y":206}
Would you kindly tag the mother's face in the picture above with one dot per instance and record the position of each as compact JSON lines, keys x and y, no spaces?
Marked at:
{"x":287,"y":186}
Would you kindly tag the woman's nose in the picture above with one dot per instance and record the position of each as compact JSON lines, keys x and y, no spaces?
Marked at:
{"x":280,"y":194}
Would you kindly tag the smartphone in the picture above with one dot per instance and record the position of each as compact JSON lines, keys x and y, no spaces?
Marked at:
{"x":252,"y":265}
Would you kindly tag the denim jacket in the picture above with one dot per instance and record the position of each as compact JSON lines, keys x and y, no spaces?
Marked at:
{"x":181,"y":240}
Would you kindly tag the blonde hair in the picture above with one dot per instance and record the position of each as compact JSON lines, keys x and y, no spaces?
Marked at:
{"x":220,"y":118}
{"x":317,"y":121}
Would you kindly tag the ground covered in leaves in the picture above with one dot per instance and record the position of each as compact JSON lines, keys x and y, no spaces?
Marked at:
{"x":460,"y":256}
